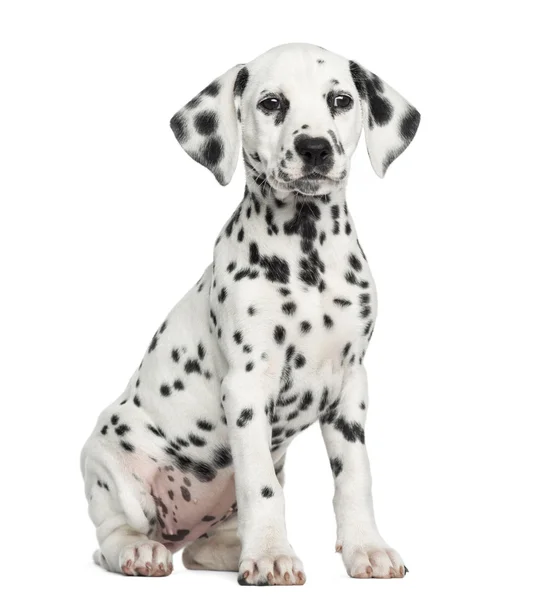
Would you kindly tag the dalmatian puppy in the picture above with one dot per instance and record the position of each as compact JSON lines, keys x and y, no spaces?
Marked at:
{"x":270,"y":340}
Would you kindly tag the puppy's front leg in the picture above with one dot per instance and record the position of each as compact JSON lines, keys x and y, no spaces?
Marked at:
{"x":266,"y":556}
{"x":364,"y":552}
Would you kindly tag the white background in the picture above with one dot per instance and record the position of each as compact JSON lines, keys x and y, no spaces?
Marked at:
{"x":106,"y":223}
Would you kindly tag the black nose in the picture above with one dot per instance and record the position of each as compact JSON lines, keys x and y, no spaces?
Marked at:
{"x":313,"y":150}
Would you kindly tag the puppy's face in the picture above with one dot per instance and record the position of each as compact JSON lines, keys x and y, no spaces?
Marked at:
{"x":301,"y":118}
{"x":299,"y":110}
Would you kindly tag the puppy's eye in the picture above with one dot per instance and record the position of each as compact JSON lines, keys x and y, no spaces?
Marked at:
{"x":270,"y":104}
{"x":342,"y":101}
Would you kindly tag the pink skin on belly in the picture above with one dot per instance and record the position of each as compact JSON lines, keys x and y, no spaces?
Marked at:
{"x":188,"y":508}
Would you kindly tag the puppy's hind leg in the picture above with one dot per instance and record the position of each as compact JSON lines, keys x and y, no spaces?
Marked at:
{"x":219,"y":551}
{"x":122,"y":526}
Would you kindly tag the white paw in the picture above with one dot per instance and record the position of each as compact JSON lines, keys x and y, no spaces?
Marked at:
{"x":280,"y":569}
{"x":149,"y":559}
{"x":378,"y":562}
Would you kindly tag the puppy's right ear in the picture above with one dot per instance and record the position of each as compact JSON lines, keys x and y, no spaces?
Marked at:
{"x":207,"y":126}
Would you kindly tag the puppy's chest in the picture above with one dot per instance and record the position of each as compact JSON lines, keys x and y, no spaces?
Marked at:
{"x":303,"y":281}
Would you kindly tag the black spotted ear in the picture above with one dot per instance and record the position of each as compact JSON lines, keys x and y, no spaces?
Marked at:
{"x":207,"y":127}
{"x":389,"y":121}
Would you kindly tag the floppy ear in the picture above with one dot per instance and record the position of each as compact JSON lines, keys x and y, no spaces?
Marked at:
{"x":206,"y":126}
{"x":389,"y":121}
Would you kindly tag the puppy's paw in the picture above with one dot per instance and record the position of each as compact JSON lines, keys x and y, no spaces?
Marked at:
{"x":377,"y":562}
{"x":280,"y":569}
{"x":148,"y":559}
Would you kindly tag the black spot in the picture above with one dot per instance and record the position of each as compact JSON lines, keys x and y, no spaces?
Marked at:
{"x":279,"y":334}
{"x":254,"y":254}
{"x":208,"y":518}
{"x":336,"y":465}
{"x":202,"y":471}
{"x":104,"y":430}
{"x":179,"y":536}
{"x":234,"y":219}
{"x":355,"y":263}
{"x":122,"y":429}
{"x":206,"y":122}
{"x":241,"y":82}
{"x":284,"y":291}
{"x":222,"y":295}
{"x":192,"y":366}
{"x":222,"y":457}
{"x":114,"y":419}
{"x":409,"y":124}
{"x":267,"y":492}
{"x":351,"y":278}
{"x":196,"y":440}
{"x":204,"y":425}
{"x":231,"y":266}
{"x":165,"y":390}
{"x":186,"y":494}
{"x":276,"y":268}
{"x":290,"y":351}
{"x":289,"y":308}
{"x":136,"y":401}
{"x":251,"y":310}
{"x":300,"y":361}
{"x":155,"y":430}
{"x":127,"y":446}
{"x":242,"y":273}
{"x":245,"y":417}
{"x":179,"y":127}
{"x":324,"y":400}
{"x":342,"y":302}
{"x":211,"y":152}
{"x":305,"y":327}
{"x":178,"y":385}
{"x":328,"y":322}
{"x":201,"y":349}
{"x":238,"y":337}
{"x":247,"y":348}
{"x":212,"y":89}
{"x":306,"y":401}
{"x":381,"y":109}
{"x":351,"y":431}
{"x":249,"y":367}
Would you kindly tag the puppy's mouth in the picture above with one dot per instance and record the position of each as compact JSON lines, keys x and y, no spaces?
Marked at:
{"x":314,"y":176}
{"x":314,"y":179}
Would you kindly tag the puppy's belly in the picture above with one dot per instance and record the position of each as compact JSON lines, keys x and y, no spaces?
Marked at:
{"x":187,"y":508}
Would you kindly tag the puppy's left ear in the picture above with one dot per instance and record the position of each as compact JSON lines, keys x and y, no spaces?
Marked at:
{"x":390,"y":122}
{"x":207,"y":127}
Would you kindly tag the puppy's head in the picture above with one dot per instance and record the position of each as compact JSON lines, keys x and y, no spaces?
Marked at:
{"x":300,"y":111}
